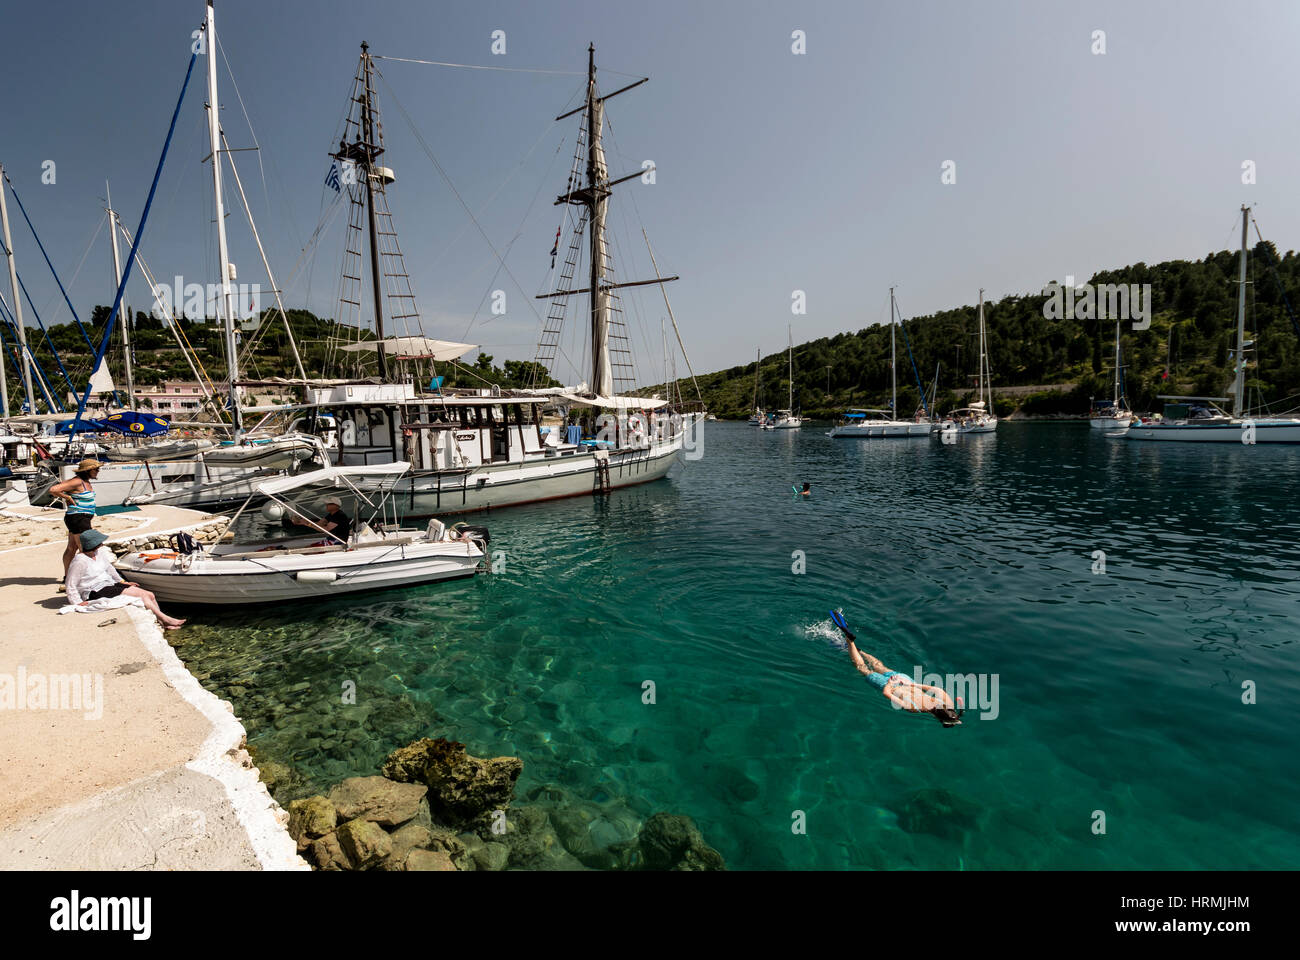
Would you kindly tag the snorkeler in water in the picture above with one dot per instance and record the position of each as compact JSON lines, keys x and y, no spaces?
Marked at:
{"x":899,"y":688}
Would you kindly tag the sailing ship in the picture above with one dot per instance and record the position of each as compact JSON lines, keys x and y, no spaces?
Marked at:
{"x":1113,"y":414}
{"x":479,"y":449}
{"x":978,"y":417}
{"x":869,"y":422}
{"x":785,"y":419}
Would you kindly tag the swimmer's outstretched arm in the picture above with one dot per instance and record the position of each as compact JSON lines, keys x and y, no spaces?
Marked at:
{"x":902,"y":704}
{"x":939,"y":692}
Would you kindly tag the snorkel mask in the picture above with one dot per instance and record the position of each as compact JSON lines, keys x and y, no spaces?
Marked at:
{"x":949,"y":718}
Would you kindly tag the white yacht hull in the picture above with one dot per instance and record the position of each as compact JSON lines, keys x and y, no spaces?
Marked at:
{"x":436,"y":493}
{"x":1266,"y":431}
{"x":275,"y":577}
{"x":215,"y":478}
{"x":984,"y":425}
{"x":890,"y":428}
{"x":1110,"y":423}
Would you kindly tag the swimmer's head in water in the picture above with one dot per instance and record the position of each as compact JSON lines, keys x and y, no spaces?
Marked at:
{"x":949,"y":718}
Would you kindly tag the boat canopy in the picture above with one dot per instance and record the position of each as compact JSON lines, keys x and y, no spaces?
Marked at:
{"x":415,"y":348}
{"x":332,"y":476}
{"x":616,"y":403}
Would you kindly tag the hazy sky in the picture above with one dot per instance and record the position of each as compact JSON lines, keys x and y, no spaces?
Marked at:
{"x":777,"y":172}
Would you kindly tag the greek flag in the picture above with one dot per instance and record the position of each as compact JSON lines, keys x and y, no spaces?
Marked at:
{"x":332,"y":178}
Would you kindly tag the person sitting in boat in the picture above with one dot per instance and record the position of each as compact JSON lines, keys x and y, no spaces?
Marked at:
{"x":92,"y":576}
{"x":79,"y":495}
{"x":904,"y":692}
{"x":335,"y":522}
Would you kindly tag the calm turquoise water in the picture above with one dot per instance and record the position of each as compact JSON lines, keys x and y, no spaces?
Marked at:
{"x":1118,"y":692}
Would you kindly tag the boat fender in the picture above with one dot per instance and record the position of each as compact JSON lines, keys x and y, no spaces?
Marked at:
{"x":465,"y":531}
{"x":316,"y":576}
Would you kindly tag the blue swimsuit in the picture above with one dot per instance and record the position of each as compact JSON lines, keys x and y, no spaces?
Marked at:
{"x":881,"y":680}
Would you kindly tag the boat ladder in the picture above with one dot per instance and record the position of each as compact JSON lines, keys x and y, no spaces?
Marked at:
{"x":601,"y":484}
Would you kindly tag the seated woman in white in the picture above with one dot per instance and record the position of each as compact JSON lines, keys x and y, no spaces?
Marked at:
{"x":92,"y":576}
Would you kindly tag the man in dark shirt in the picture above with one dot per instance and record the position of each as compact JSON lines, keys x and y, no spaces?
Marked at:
{"x":336,"y":522}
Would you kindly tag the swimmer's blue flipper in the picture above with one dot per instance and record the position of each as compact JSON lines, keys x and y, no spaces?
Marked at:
{"x":844,"y":627}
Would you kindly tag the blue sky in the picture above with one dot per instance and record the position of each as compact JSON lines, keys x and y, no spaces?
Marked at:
{"x":818,"y":172}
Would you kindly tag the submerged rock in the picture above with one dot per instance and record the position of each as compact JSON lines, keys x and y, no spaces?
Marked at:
{"x":592,"y":836}
{"x":406,"y":840}
{"x":422,"y":860}
{"x":377,"y":799}
{"x":673,"y":842}
{"x":939,"y":812}
{"x":463,"y":790}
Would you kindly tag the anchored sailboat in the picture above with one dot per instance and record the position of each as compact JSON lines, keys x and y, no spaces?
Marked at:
{"x":979,"y":416}
{"x":868,"y":422}
{"x":1201,"y":419}
{"x":786,"y":419}
{"x":757,"y":416}
{"x":1113,"y":414}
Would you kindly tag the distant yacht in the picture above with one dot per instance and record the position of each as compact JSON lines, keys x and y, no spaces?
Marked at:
{"x":785,"y":419}
{"x":756,"y":418}
{"x":979,"y":416}
{"x":1113,"y":414}
{"x":856,"y":422}
{"x":1200,"y":419}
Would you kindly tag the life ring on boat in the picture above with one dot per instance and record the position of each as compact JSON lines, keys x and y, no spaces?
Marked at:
{"x":636,"y":428}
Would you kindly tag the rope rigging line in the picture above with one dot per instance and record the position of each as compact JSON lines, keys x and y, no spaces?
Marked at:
{"x":907,"y":340}
{"x":476,"y":66}
{"x":37,"y":238}
{"x":130,"y":259}
{"x":461,"y":200}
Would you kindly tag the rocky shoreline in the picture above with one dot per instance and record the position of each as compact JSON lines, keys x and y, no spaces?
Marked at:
{"x":437,"y":808}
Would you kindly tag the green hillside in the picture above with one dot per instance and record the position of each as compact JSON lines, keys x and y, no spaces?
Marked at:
{"x":1195,"y":303}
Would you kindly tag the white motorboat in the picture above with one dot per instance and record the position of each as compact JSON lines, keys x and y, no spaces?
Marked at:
{"x":978,"y":417}
{"x":1200,"y":419}
{"x":317,"y":566}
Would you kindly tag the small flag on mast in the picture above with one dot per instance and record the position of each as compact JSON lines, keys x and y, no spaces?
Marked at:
{"x":555,"y":249}
{"x":332,"y":178}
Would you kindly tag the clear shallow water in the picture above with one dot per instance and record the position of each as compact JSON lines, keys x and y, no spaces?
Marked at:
{"x":1118,"y":693}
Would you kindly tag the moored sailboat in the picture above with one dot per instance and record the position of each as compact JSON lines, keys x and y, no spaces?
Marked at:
{"x":868,"y":422}
{"x":979,"y":416}
{"x":1201,"y":419}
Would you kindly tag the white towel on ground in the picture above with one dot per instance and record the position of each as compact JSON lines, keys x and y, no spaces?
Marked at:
{"x":103,"y":603}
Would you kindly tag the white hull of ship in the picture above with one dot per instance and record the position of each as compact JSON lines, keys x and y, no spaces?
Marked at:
{"x":437,"y":493}
{"x":982,"y":425}
{"x":1266,"y":431}
{"x":220,"y":477}
{"x":1110,"y":423}
{"x":883,"y":429}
